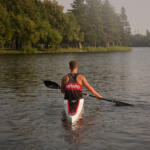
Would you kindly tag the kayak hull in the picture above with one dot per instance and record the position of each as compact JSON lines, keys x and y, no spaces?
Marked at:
{"x":76,"y":114}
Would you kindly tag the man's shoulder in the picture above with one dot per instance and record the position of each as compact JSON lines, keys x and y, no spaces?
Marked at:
{"x":65,"y":77}
{"x":81,"y":76}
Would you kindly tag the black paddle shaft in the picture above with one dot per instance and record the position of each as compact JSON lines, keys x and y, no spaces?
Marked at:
{"x":118,"y":103}
{"x":54,"y":85}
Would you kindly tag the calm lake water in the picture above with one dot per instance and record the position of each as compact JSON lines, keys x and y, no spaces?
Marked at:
{"x":32,"y":116}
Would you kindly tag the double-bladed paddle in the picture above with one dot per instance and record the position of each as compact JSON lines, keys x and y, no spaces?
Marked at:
{"x":54,"y":85}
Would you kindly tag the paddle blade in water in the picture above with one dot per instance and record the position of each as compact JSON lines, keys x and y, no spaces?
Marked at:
{"x":118,"y":103}
{"x":51,"y":84}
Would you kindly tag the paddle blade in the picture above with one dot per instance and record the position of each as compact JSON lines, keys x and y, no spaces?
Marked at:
{"x":51,"y":84}
{"x":118,"y":103}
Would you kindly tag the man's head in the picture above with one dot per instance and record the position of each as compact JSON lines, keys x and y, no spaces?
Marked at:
{"x":73,"y":65}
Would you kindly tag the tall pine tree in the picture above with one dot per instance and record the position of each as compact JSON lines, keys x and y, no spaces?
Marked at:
{"x":126,"y":30}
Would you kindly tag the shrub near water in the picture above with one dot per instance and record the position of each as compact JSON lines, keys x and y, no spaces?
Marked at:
{"x":29,"y":49}
{"x":119,"y":48}
{"x":107,"y":49}
{"x":95,"y":49}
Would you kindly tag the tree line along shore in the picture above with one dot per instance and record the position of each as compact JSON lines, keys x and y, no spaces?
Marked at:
{"x":35,"y":26}
{"x":66,"y":50}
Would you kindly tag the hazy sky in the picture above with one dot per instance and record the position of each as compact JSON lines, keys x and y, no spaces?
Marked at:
{"x":138,"y":12}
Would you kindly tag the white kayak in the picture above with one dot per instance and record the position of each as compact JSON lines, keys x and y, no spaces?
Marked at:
{"x":73,"y":110}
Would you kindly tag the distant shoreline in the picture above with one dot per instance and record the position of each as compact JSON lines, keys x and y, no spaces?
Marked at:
{"x":67,"y":50}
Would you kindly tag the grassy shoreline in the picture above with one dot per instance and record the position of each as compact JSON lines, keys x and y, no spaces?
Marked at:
{"x":67,"y":50}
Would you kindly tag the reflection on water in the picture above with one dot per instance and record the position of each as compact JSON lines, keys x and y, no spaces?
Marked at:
{"x":77,"y":131}
{"x":73,"y":126}
{"x":31,"y":115}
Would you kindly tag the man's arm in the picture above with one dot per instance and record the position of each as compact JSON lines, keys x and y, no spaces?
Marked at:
{"x":90,"y":88}
{"x":64,"y":81}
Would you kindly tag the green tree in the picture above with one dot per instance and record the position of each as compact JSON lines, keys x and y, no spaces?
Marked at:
{"x":138,"y":40}
{"x":88,"y":14}
{"x":71,"y":34}
{"x":147,"y":38}
{"x":23,"y":31}
{"x":110,"y":24}
{"x":28,"y":8}
{"x":126,"y":30}
{"x":78,"y":9}
{"x":47,"y":36}
{"x":54,"y":39}
{"x":93,"y":25}
{"x":5,"y":33}
{"x":54,"y":14}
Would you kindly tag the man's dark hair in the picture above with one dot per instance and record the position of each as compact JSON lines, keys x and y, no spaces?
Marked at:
{"x":73,"y":64}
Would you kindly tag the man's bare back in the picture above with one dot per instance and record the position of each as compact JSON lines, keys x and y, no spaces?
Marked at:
{"x":81,"y":80}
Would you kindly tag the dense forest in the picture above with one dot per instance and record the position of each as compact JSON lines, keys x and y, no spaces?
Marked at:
{"x":139,"y":40}
{"x":44,"y":24}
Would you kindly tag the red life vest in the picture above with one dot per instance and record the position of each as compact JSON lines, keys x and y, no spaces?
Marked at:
{"x":73,"y":90}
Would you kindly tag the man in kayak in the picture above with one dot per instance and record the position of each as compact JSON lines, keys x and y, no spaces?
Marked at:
{"x":72,"y":83}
